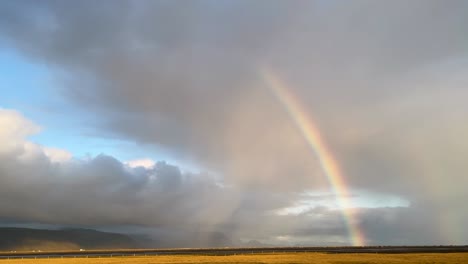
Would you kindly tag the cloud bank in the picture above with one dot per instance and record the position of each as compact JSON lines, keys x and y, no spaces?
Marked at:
{"x":384,"y":81}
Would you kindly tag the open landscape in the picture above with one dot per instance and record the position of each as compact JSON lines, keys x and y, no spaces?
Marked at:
{"x":233,"y":131}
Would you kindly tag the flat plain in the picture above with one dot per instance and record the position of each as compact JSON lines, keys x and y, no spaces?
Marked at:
{"x":320,"y":258}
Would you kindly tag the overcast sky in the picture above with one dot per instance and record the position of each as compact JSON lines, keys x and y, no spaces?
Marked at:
{"x":154,"y":115}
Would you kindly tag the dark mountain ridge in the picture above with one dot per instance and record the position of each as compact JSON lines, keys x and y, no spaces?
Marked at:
{"x":13,"y":238}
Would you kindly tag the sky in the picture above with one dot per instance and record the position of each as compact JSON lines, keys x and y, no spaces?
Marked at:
{"x":282,"y":122}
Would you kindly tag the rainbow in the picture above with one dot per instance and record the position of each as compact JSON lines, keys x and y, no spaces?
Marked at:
{"x":314,"y":140}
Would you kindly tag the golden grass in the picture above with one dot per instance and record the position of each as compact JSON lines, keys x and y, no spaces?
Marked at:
{"x":320,"y":258}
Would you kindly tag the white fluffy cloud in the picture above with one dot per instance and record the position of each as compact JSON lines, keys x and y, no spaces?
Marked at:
{"x":145,"y":163}
{"x":14,"y":130}
{"x":56,"y":154}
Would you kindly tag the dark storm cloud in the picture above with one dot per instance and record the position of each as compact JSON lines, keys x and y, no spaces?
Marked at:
{"x":385,"y":82}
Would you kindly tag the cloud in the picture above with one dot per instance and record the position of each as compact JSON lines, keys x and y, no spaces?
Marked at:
{"x":40,"y":186}
{"x":187,"y":77}
{"x":14,"y":128}
{"x":57,"y":155}
{"x":384,"y":81}
{"x":145,"y":163}
{"x":186,"y":209}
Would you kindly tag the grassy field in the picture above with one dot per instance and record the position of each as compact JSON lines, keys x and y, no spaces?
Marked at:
{"x":320,"y":258}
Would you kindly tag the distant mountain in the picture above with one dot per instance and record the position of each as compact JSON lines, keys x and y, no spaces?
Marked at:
{"x":255,"y":243}
{"x":64,"y":239}
{"x":182,"y":239}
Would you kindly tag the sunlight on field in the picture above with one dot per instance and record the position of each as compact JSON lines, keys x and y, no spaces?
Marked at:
{"x":266,"y":258}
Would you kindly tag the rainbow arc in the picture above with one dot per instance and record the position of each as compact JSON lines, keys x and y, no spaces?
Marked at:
{"x":314,"y":140}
